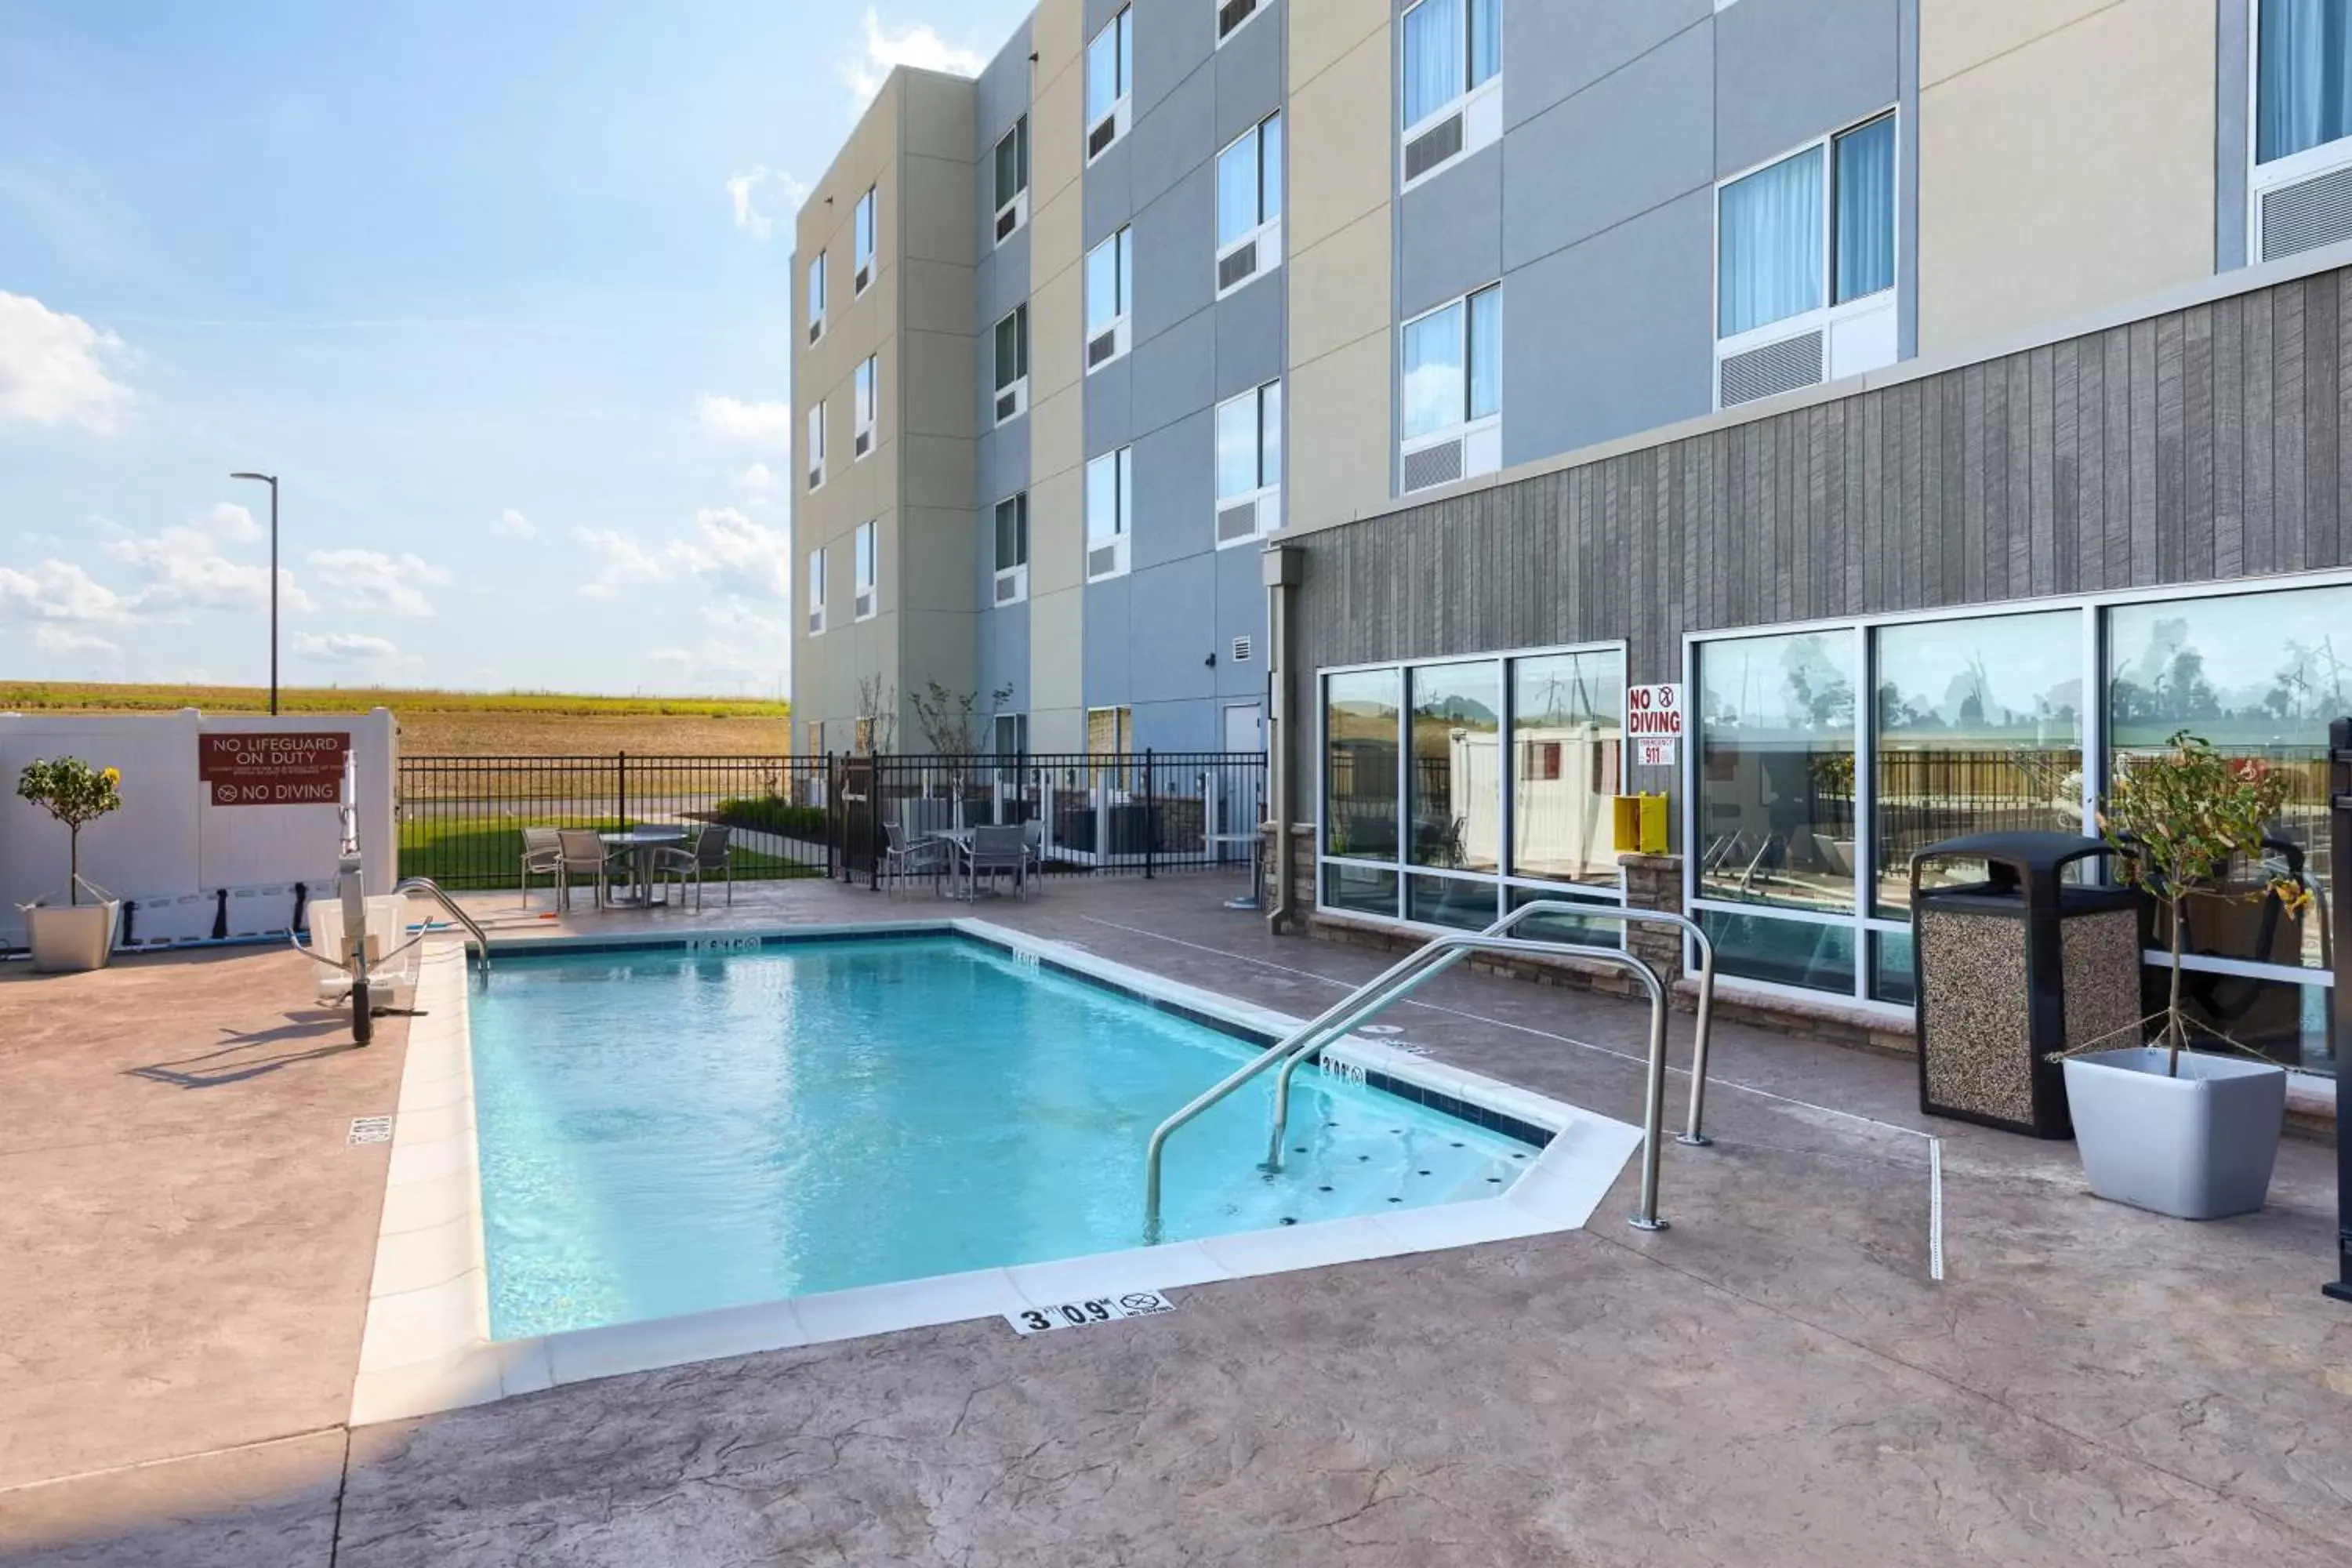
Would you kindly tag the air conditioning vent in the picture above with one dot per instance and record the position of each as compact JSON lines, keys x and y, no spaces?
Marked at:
{"x":1776,"y":367}
{"x":865,"y":603}
{"x":816,"y":329}
{"x":1102,"y":560}
{"x":1008,"y":588}
{"x":1237,"y":522}
{"x":865,"y":276}
{"x":1241,"y":651}
{"x":816,"y":476}
{"x":1006,"y":222}
{"x":2307,"y":215}
{"x":816,"y":621}
{"x":1238,"y":266}
{"x":1433,"y":147}
{"x":1438,"y":465}
{"x":1232,"y":14}
{"x":1102,"y":349}
{"x":865,"y":443}
{"x":1102,"y":135}
{"x":1012,"y":401}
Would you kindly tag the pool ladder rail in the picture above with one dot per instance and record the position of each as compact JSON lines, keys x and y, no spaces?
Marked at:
{"x":415,"y":887}
{"x":1424,"y":964}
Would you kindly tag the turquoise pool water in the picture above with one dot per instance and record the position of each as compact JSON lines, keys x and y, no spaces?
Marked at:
{"x":665,"y":1132}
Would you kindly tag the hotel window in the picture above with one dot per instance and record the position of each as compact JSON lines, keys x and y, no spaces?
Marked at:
{"x":1013,"y":549}
{"x":1111,"y":80}
{"x":1013,"y":180}
{"x":1110,"y":297}
{"x":1451,"y":385}
{"x":1451,"y":94}
{"x":1249,"y":464}
{"x":816,"y":298}
{"x":866,"y":219}
{"x":1805,"y":265}
{"x":1111,"y":512}
{"x":869,"y":571}
{"x":2302,"y":160}
{"x":816,"y":592}
{"x":1249,"y":206}
{"x":869,"y":371}
{"x":1013,"y":365}
{"x":1010,"y":734}
{"x":816,"y":445}
{"x":1232,"y":14}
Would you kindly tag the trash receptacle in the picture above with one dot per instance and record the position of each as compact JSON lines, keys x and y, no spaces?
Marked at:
{"x":2013,"y":968}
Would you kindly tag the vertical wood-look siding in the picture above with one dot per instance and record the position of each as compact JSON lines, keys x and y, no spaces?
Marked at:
{"x":2206,"y":444}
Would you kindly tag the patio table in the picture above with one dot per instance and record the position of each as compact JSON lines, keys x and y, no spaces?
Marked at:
{"x":640,"y":843}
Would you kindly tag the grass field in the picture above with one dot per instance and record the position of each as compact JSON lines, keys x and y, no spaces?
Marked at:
{"x":471,"y":857}
{"x":465,"y":723}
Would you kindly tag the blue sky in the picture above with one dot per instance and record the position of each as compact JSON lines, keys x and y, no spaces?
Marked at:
{"x":502,"y":292}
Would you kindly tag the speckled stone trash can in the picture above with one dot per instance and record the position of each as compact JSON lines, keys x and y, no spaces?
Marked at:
{"x":2012,"y":970}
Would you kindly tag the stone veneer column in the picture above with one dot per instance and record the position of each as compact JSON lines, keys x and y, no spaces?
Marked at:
{"x":1656,"y":882}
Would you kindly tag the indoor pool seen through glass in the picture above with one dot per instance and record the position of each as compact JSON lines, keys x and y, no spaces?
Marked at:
{"x":668,"y":1131}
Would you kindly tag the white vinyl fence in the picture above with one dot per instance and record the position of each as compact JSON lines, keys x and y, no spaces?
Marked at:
{"x":188,"y":868}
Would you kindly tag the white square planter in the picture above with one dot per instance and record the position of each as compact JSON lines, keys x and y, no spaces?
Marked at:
{"x":2200,"y":1146}
{"x":67,"y":939}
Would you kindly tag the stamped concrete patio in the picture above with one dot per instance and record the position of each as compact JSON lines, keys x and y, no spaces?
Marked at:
{"x":1778,"y":1379}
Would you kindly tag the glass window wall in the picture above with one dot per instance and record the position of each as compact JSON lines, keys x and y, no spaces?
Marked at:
{"x":1775,"y":799}
{"x":1457,"y":771}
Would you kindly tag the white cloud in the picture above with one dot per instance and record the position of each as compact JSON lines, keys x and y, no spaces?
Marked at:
{"x":764,"y":424}
{"x":55,"y":369}
{"x":759,"y":479}
{"x":736,"y":554}
{"x":919,"y":45}
{"x":745,"y":646}
{"x":369,"y":580}
{"x":627,"y":564}
{"x":751,"y":213}
{"x":59,"y":591}
{"x":186,"y":567}
{"x":51,"y":637}
{"x":513,"y":524}
{"x":345,"y":647}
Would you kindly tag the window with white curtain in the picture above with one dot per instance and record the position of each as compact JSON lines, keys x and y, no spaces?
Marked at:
{"x":2303,"y":78}
{"x":1110,"y":294}
{"x":1249,"y":205}
{"x":1814,"y":229}
{"x":1453,"y":364}
{"x":1449,"y":103}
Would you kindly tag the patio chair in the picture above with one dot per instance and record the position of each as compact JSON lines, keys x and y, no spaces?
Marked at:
{"x":542,"y":855}
{"x":582,"y":858}
{"x":903,"y":856}
{"x":997,"y":852}
{"x":706,"y":855}
{"x":1033,"y":842}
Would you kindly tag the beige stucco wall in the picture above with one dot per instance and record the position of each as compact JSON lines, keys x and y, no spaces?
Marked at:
{"x":1056,"y":520}
{"x":2065,"y":158}
{"x":1339,"y":229}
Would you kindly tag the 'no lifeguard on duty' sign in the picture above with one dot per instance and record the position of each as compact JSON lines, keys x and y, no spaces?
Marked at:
{"x":305,"y":769}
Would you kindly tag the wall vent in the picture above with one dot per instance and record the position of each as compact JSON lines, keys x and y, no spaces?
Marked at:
{"x":1102,"y":135}
{"x":2307,"y":215}
{"x":1010,"y":585}
{"x":863,"y":444}
{"x":1103,"y":560}
{"x":865,"y":276}
{"x":816,"y":621}
{"x":1438,"y":465}
{"x":1776,"y":367}
{"x":865,"y":603}
{"x":1433,"y":147}
{"x":1236,"y":265}
{"x":1232,"y":14}
{"x":816,"y":329}
{"x":1241,"y":651}
{"x":1237,"y":522}
{"x":1102,"y":349}
{"x":816,"y":477}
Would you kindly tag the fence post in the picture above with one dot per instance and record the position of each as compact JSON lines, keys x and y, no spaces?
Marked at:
{"x":874,"y":839}
{"x":833,"y":857}
{"x":621,"y":771}
{"x":1150,"y":829}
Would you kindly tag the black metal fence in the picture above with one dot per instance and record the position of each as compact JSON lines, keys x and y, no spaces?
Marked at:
{"x":1141,"y":813}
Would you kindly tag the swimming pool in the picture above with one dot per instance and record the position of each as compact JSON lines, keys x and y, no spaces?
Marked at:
{"x":671,"y":1132}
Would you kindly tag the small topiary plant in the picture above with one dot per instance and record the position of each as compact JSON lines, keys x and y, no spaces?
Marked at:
{"x":74,"y":793}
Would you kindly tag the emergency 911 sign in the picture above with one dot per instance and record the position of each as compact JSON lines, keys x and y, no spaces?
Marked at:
{"x":1654,"y":722}
{"x":305,"y":769}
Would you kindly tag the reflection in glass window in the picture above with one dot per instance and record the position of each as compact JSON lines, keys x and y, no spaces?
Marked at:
{"x":2260,"y":675}
{"x":1568,"y":743}
{"x":1455,"y":901}
{"x":1979,"y":730}
{"x":1456,"y":779}
{"x":1360,"y":725}
{"x":1776,"y":771}
{"x":1359,"y":890}
{"x":1785,"y":951}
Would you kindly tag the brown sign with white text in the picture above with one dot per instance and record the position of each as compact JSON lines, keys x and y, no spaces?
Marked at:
{"x":290,"y":769}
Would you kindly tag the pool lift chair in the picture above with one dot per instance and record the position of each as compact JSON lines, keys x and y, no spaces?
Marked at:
{"x":355,"y":939}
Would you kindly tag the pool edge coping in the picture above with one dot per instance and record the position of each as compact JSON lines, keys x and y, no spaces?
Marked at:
{"x":427,"y":1347}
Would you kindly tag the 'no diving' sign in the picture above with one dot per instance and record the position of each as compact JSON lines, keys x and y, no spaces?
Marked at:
{"x":1654,"y":721}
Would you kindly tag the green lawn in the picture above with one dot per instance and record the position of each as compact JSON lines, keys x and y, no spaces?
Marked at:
{"x":470,"y":858}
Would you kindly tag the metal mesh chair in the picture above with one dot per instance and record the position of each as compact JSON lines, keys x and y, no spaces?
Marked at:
{"x":705,"y":856}
{"x":582,"y":858}
{"x":542,"y":856}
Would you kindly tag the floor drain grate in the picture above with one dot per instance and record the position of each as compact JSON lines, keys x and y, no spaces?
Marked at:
{"x":369,"y":1129}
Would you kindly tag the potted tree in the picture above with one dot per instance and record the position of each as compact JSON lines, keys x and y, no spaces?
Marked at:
{"x":72,"y":936}
{"x":2159,"y":1126}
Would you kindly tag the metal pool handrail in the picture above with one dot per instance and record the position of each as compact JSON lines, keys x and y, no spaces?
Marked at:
{"x":1692,"y":1133}
{"x":1397,"y":982}
{"x":432,"y":890}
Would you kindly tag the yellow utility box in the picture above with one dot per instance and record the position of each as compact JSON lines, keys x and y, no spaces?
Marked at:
{"x":1641,"y":824}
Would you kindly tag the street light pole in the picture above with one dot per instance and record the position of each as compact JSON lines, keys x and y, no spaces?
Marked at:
{"x":271,"y":480}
